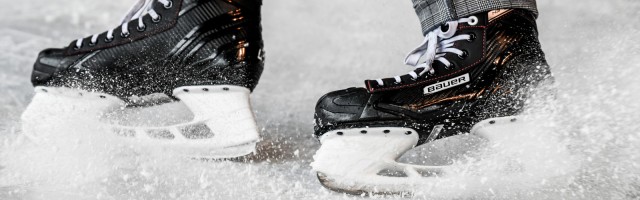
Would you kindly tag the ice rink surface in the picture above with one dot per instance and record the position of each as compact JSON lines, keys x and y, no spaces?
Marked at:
{"x":314,"y":47}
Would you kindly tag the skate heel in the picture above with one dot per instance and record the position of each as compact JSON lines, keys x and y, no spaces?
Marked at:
{"x":223,"y":125}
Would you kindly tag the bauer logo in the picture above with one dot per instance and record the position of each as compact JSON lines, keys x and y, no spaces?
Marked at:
{"x":445,"y":85}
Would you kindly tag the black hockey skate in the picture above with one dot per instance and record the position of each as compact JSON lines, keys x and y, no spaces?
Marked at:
{"x":205,"y":53}
{"x":477,"y":68}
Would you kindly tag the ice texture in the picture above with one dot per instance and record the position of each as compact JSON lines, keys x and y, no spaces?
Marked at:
{"x":314,"y":47}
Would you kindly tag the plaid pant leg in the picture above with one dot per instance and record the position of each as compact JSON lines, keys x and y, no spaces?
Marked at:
{"x":435,"y":12}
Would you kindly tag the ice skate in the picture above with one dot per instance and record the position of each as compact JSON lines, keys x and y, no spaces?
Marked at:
{"x":477,"y":73}
{"x":205,"y":54}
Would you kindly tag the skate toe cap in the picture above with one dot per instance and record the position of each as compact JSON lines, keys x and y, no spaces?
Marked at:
{"x":342,"y":105}
{"x":49,"y":62}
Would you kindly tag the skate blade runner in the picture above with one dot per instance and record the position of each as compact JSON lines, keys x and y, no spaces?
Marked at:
{"x":473,"y":73}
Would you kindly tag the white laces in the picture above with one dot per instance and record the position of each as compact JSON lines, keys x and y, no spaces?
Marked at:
{"x":137,"y":11}
{"x":435,"y":45}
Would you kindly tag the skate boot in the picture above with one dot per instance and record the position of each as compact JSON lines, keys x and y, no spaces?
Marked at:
{"x":480,"y":67}
{"x":205,"y":53}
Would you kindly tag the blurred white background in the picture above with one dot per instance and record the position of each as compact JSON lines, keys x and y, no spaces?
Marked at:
{"x":314,"y":47}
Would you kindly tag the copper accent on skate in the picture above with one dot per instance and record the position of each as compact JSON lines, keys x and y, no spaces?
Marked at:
{"x":495,"y":90}
{"x":431,"y":102}
{"x":236,"y":12}
{"x":468,"y":96}
{"x":502,"y":61}
{"x":494,"y":14}
{"x":238,"y":18}
{"x":499,"y":88}
{"x":237,"y":15}
{"x":242,"y":49}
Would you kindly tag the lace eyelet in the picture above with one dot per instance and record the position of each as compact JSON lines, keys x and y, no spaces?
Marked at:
{"x":168,"y":6}
{"x":157,"y":20}
{"x":464,"y":55}
{"x":141,"y":29}
{"x":474,"y":21}
{"x":450,"y":66}
{"x":107,"y":40}
{"x":76,"y":48}
{"x":472,"y":38}
{"x":125,"y":35}
{"x":91,"y":44}
{"x":444,"y":27}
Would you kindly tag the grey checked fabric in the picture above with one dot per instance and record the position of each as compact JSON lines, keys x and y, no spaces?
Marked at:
{"x":436,"y":12}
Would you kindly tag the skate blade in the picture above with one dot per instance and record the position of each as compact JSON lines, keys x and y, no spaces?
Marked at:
{"x":366,"y":164}
{"x":363,"y":162}
{"x":223,"y":125}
